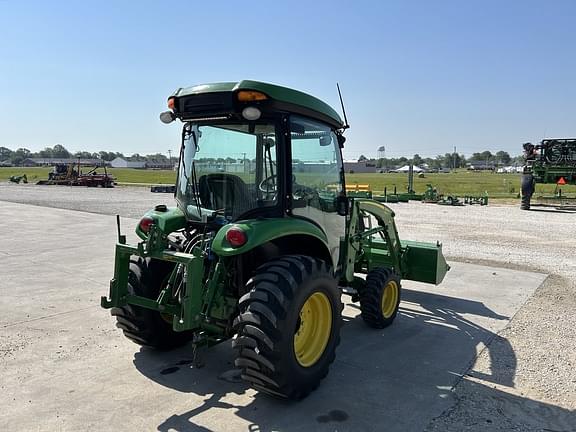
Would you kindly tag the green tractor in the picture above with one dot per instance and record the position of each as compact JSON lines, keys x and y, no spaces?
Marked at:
{"x":551,"y":161}
{"x":263,"y":240}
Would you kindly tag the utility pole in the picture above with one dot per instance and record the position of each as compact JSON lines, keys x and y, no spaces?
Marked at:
{"x":454,"y":159}
{"x":170,"y":157}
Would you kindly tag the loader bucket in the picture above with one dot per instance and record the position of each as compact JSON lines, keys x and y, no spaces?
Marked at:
{"x":423,"y":262}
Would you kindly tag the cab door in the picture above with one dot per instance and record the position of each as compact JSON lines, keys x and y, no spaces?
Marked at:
{"x":317,"y":177}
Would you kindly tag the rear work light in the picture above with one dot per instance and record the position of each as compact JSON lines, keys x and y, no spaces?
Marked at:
{"x":250,"y":96}
{"x":236,"y":237}
{"x":145,"y":223}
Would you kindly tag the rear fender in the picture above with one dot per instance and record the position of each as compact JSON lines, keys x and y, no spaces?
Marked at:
{"x":277,"y":230}
{"x":170,"y":220}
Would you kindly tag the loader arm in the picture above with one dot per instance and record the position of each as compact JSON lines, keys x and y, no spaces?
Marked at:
{"x":359,"y":232}
{"x":366,"y":247}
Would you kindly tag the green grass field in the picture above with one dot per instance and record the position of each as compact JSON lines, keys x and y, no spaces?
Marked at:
{"x":460,"y":183}
{"x":123,"y":175}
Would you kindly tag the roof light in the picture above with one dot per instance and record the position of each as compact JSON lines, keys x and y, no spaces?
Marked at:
{"x":251,"y":113}
{"x":236,"y":237}
{"x":146,"y":223}
{"x":171,"y":101}
{"x":250,"y":96}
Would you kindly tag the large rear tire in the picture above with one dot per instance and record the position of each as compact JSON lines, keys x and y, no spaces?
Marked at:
{"x":527,"y":189}
{"x":289,"y":326}
{"x":380,"y":298}
{"x":143,"y":326}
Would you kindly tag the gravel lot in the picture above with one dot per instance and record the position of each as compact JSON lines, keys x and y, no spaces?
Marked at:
{"x":542,"y":334}
{"x":540,"y":394}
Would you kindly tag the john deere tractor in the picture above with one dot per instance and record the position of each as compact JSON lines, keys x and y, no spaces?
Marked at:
{"x":262,"y":241}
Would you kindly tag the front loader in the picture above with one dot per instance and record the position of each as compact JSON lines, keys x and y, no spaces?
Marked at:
{"x":263,"y":240}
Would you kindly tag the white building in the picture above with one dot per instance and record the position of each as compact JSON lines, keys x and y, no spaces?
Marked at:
{"x":123,"y":163}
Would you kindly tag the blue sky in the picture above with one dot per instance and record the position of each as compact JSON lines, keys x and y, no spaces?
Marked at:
{"x":417,"y":76}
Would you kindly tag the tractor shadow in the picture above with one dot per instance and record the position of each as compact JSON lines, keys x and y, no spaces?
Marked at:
{"x":395,"y":379}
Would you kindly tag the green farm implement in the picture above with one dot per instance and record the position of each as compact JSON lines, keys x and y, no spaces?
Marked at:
{"x":19,"y":178}
{"x":260,"y":249}
{"x":551,"y":161}
{"x":431,"y":195}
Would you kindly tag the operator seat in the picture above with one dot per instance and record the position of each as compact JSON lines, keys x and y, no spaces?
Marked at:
{"x":225,"y":191}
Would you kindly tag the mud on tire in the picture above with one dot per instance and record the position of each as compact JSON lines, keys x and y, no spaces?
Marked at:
{"x":289,"y":326}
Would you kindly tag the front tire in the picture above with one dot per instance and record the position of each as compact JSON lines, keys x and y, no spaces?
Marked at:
{"x":380,"y":297}
{"x":143,"y":326}
{"x":289,"y":326}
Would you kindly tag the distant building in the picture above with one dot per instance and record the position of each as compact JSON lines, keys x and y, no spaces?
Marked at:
{"x":359,"y":167}
{"x":32,"y":162}
{"x":160,"y":165}
{"x":475,"y":165}
{"x":123,"y":163}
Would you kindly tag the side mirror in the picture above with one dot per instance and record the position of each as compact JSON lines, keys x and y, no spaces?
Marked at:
{"x":341,"y":140}
{"x":167,"y":117}
{"x":342,"y":205}
{"x":325,"y":140}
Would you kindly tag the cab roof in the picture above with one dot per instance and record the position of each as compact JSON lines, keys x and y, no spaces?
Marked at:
{"x":283,"y":95}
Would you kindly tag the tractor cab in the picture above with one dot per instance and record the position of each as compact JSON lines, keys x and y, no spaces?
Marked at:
{"x":258,"y":157}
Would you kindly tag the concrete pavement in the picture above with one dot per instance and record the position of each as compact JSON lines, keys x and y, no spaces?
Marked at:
{"x":66,"y":367}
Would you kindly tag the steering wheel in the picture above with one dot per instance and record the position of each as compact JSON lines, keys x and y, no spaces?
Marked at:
{"x":268,"y":185}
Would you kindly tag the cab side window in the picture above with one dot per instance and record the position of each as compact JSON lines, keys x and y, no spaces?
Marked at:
{"x":316,"y":164}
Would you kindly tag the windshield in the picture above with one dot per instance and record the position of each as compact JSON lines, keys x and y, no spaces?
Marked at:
{"x":227,"y":168}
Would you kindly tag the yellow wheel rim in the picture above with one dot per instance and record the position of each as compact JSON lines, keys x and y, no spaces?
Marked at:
{"x":389,"y":298}
{"x":313,"y":329}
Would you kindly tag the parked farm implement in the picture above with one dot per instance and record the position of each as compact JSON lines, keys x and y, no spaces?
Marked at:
{"x":71,"y":175}
{"x":19,"y":178}
{"x":431,"y":195}
{"x":262,"y":251}
{"x":551,"y":161}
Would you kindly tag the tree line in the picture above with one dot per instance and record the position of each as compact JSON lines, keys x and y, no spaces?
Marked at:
{"x":448,"y":160}
{"x":16,"y":157}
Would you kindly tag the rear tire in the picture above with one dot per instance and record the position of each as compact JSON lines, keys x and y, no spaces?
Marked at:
{"x":143,"y":326}
{"x":527,"y":188}
{"x":380,"y":297}
{"x":289,"y":326}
